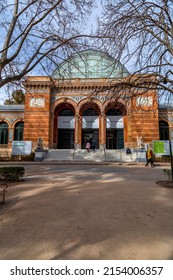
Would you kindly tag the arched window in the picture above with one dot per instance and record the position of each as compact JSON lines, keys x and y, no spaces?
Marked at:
{"x":18,"y":131}
{"x":3,"y":133}
{"x":164,"y":130}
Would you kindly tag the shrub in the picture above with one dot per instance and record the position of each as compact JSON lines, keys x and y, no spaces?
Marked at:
{"x":11,"y":173}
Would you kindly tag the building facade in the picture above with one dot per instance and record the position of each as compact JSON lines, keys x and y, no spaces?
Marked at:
{"x":74,"y":106}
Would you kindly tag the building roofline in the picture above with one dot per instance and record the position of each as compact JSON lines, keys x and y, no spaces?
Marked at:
{"x":18,"y":108}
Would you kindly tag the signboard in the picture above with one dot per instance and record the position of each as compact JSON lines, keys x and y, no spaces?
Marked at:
{"x":90,"y":122}
{"x":21,"y":147}
{"x":67,"y":122}
{"x":162,"y":147}
{"x":144,"y":101}
{"x":37,"y":102}
{"x":114,"y":122}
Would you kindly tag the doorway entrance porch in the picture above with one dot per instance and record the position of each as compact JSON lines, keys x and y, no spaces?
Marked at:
{"x":89,"y":135}
{"x":114,"y":139}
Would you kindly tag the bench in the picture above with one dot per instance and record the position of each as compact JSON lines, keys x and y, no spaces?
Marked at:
{"x":3,"y":190}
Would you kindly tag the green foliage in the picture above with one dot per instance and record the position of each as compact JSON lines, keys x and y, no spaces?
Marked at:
{"x":18,"y":98}
{"x":167,"y":173}
{"x":11,"y":173}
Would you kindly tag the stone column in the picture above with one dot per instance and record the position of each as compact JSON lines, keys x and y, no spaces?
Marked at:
{"x":77,"y":132}
{"x":10,"y":139}
{"x":10,"y":135}
{"x":102,"y":131}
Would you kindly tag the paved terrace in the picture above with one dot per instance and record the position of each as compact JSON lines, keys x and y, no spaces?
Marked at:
{"x":92,"y":211}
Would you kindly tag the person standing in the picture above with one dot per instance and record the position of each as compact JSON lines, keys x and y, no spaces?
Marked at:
{"x":150,"y":157}
{"x":93,"y":145}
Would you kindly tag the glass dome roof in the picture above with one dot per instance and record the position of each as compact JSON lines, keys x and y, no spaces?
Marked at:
{"x":90,"y":64}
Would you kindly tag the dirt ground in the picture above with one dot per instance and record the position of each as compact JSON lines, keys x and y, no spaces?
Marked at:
{"x":85,"y":212}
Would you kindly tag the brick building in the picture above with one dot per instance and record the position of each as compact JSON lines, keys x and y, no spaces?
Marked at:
{"x":74,"y":106}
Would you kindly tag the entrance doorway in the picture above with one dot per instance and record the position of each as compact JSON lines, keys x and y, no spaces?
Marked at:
{"x":114,"y":129}
{"x":65,"y":139}
{"x":66,"y":124}
{"x":109,"y":143}
{"x":114,"y":139}
{"x":90,"y":127}
{"x":88,"y":135}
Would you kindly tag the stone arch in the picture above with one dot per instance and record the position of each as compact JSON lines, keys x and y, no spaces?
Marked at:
{"x":90,"y":104}
{"x":6,"y":121}
{"x":91,"y":101}
{"x":16,"y":121}
{"x":64,"y":100}
{"x":115,"y":105}
{"x":165,"y":119}
{"x":64,"y":105}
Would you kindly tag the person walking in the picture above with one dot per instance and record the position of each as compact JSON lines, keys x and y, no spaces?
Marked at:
{"x":150,"y":157}
{"x":88,"y":146}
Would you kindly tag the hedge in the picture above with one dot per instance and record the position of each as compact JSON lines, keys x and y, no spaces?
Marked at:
{"x":11,"y":173}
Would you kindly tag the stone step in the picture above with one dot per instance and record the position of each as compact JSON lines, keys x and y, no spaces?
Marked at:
{"x":59,"y":155}
{"x":82,"y":155}
{"x":95,"y":156}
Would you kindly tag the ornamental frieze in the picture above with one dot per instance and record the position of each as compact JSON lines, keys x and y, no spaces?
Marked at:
{"x":17,"y":116}
{"x":39,"y":91}
{"x":79,"y":98}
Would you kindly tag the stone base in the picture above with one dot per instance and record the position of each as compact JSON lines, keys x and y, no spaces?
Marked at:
{"x":40,"y":154}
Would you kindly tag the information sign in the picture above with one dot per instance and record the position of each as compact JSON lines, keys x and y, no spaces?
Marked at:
{"x":21,"y":147}
{"x":162,"y":147}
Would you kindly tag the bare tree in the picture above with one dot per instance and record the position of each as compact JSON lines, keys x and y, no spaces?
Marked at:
{"x":38,"y":32}
{"x":140,"y":33}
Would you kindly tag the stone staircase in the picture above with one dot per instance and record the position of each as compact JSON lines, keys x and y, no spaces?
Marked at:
{"x":83,"y":155}
{"x":96,"y":156}
{"x":59,"y":155}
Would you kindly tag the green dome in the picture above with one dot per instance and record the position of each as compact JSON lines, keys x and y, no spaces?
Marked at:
{"x":90,"y":64}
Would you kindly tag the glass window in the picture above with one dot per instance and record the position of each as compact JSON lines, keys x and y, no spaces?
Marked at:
{"x":3,"y":133}
{"x":18,"y":131}
{"x":164,"y":130}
